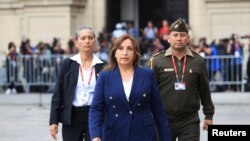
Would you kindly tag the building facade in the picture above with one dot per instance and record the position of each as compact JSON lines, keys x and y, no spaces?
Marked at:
{"x":42,"y":20}
{"x":219,"y":18}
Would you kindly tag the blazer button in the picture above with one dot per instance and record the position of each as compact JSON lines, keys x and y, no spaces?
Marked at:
{"x":144,"y":95}
{"x":139,"y":104}
{"x":114,"y":106}
{"x":110,"y":97}
{"x":130,"y":112}
{"x":116,"y":115}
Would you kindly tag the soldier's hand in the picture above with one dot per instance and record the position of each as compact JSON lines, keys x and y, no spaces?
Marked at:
{"x":206,"y":123}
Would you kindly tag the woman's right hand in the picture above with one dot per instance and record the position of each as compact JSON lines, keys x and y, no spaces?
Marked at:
{"x":54,"y":131}
{"x":96,"y":139}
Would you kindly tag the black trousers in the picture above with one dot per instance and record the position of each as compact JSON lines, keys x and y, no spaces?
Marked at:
{"x":78,"y":130}
{"x":187,"y":129}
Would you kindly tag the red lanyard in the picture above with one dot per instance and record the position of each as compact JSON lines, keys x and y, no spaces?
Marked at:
{"x":183,"y":68}
{"x":91,"y":73}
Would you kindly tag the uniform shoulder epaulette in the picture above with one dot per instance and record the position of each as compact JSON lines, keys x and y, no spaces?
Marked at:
{"x":195,"y":52}
{"x":151,"y":60}
{"x":159,"y":53}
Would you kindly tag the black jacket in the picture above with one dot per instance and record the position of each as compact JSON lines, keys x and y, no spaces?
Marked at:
{"x":61,"y":103}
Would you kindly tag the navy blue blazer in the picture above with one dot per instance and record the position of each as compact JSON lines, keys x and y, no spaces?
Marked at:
{"x":113,"y":118}
{"x":61,"y":102}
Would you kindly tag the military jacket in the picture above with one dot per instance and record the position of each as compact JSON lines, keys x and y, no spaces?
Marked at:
{"x":179,"y":103}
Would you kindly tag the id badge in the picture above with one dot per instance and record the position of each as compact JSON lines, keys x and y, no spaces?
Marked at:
{"x":85,"y":96}
{"x":180,"y":86}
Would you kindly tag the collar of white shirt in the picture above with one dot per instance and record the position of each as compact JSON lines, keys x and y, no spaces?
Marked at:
{"x":77,"y":58}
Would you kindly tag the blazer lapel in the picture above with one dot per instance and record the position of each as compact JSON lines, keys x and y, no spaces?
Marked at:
{"x":118,"y":86}
{"x":138,"y":80}
{"x":72,"y":76}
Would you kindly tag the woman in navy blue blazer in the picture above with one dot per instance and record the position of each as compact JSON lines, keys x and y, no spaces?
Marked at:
{"x":126,"y":105}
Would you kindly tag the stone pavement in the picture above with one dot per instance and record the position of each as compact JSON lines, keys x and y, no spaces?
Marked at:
{"x":25,"y":117}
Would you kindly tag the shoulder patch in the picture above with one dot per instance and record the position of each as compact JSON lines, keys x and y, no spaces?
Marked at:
{"x":150,"y":62}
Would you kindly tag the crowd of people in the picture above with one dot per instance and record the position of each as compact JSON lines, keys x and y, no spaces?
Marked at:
{"x":152,"y":40}
{"x":224,"y":57}
{"x":26,"y":62}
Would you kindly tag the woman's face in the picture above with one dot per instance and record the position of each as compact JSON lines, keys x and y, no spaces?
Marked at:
{"x":125,"y":53}
{"x":86,"y":41}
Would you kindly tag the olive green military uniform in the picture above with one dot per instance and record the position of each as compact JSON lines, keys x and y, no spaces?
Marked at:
{"x":182,"y":105}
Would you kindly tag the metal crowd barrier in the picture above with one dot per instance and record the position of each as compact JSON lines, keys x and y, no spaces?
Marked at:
{"x":32,"y":72}
{"x":39,"y":72}
{"x":226,"y":71}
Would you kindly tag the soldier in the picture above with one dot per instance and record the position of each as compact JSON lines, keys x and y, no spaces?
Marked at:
{"x":183,"y":82}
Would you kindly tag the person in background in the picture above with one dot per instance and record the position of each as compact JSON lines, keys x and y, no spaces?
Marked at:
{"x":214,"y":64}
{"x":26,"y":68}
{"x":26,"y":48}
{"x":157,"y":46}
{"x":132,"y":30}
{"x":164,"y":29}
{"x":248,"y":61}
{"x":74,"y":89}
{"x":57,"y":47}
{"x":71,"y":50}
{"x":203,"y":49}
{"x":102,"y":51}
{"x":163,"y":33}
{"x":149,"y":34}
{"x":11,"y":69}
{"x":235,"y":70}
{"x":119,"y":31}
{"x":57,"y":57}
{"x":126,"y":104}
{"x":183,"y":83}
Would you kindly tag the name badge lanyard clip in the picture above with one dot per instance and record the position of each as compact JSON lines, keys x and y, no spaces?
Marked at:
{"x":90,"y":77}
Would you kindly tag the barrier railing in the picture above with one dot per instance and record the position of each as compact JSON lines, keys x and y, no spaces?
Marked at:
{"x":226,"y":71}
{"x":32,"y":71}
{"x":39,"y":72}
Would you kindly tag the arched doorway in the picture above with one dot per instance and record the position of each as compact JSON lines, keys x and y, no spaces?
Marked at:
{"x":145,"y":10}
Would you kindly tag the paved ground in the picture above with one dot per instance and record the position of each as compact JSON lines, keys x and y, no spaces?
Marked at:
{"x":24,"y":117}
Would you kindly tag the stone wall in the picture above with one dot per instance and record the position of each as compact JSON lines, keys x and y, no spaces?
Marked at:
{"x":41,"y":20}
{"x":45,"y":19}
{"x":219,"y":18}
